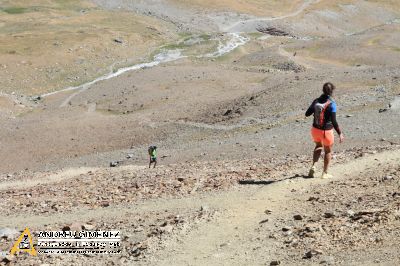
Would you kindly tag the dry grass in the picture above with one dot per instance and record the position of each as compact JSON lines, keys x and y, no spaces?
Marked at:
{"x":48,"y":45}
{"x":393,"y":5}
{"x":253,"y":7}
{"x":371,"y":48}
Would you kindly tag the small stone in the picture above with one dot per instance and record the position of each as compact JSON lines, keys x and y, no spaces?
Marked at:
{"x":228,"y":112}
{"x":8,"y":259}
{"x":288,"y":241}
{"x":382,"y":110}
{"x":114,"y":164}
{"x":66,"y":228}
{"x":129,"y":156}
{"x":329,"y":215}
{"x":273,"y":236}
{"x":349,"y":116}
{"x":311,"y":228}
{"x":286,"y":229}
{"x":167,"y":229}
{"x":88,"y":227}
{"x":288,"y":233}
{"x":105,"y":204}
{"x":204,"y":208}
{"x":35,"y":98}
{"x":312,"y":253}
{"x":312,"y":198}
{"x":388,"y":177}
{"x":298,"y":217}
{"x":264,"y":221}
{"x":275,"y":262}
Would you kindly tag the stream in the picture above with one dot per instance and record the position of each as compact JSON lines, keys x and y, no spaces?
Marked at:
{"x":234,"y":40}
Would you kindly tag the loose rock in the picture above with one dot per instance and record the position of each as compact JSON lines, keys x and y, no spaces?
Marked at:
{"x":298,"y":217}
{"x":329,"y":215}
{"x":8,"y":233}
{"x":114,"y":164}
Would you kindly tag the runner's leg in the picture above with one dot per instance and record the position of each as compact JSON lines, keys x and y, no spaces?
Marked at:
{"x":327,"y":157}
{"x":317,"y":152}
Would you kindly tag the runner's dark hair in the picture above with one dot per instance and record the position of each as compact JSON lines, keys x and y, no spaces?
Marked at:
{"x":328,"y":88}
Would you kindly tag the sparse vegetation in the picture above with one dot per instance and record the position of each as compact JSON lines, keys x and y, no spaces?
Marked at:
{"x":14,"y":10}
{"x":85,"y":36}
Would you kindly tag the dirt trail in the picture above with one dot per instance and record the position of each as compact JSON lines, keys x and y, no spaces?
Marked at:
{"x":297,"y":59}
{"x":51,"y":178}
{"x":227,"y":240}
{"x":245,"y":25}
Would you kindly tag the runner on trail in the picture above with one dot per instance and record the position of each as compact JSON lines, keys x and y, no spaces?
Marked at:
{"x":324,"y":109}
{"x":153,"y":156}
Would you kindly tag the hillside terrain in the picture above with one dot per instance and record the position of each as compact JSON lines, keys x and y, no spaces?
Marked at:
{"x":221,"y":89}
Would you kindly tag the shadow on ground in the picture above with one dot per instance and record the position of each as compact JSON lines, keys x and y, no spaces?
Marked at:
{"x":269,"y":182}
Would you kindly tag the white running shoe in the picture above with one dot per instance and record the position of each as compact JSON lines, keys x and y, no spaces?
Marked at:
{"x":326,"y":176}
{"x":311,"y":172}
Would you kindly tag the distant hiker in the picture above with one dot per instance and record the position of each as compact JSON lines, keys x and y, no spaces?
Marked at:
{"x":324,"y":109}
{"x":153,"y":155}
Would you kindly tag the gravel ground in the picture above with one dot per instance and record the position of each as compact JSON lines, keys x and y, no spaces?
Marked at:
{"x":233,"y":142}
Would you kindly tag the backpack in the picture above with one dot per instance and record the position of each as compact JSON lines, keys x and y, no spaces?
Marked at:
{"x":151,"y":150}
{"x":319,"y":113}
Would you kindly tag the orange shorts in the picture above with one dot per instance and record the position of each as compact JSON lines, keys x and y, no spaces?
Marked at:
{"x":326,"y":137}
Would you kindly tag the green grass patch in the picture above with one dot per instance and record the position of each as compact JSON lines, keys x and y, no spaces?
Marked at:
{"x":396,"y":49}
{"x":205,"y":37}
{"x":184,"y":35}
{"x":255,"y":35}
{"x":15,"y":10}
{"x":174,"y":46}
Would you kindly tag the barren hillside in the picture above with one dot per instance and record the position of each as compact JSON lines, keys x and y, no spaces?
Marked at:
{"x":221,"y":89}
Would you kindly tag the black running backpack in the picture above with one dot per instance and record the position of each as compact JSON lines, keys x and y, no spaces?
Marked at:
{"x":319,"y":113}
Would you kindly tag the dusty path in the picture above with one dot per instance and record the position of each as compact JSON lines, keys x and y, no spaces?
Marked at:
{"x":297,"y":59}
{"x":228,"y":239}
{"x":51,"y":178}
{"x":251,"y":24}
